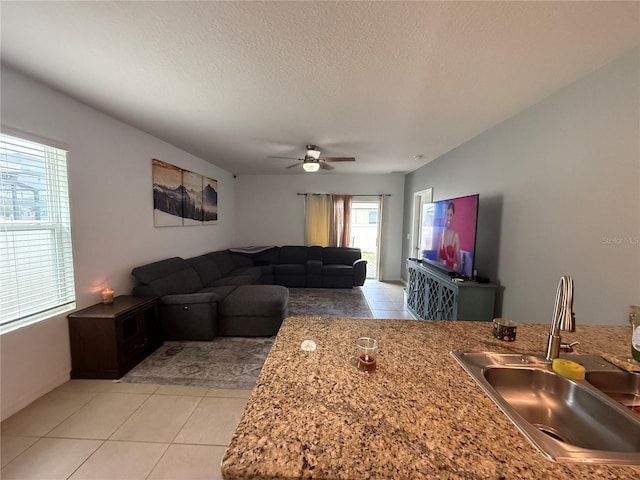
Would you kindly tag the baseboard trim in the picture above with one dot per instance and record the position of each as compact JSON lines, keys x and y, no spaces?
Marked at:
{"x":7,"y":411}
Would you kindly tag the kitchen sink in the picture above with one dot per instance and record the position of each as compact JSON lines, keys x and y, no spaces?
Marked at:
{"x":561,"y":409}
{"x":566,"y":420}
{"x":624,"y":387}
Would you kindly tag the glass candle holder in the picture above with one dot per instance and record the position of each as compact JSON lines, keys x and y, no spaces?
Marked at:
{"x":107,"y":295}
{"x":367,"y":353}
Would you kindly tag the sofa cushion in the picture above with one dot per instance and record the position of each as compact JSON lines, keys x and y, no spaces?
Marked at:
{"x":201,"y":296}
{"x":255,"y":300}
{"x":184,"y":281}
{"x":241,"y":260}
{"x":255,"y":272}
{"x":315,"y":253}
{"x":206,"y":268}
{"x":223,"y":260}
{"x":314,"y":273}
{"x":235,"y":280}
{"x":337,"y":270}
{"x":340,"y":255}
{"x":268,"y":257}
{"x":293,"y":254}
{"x":266,"y":274}
{"x":146,"y":274}
{"x":290,"y":269}
{"x":290,"y":275}
{"x":219,"y":292}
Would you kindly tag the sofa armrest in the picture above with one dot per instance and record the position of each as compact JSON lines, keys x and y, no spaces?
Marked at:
{"x":359,"y":272}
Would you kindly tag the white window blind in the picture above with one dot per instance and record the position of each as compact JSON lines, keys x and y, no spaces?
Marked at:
{"x":36,"y":263}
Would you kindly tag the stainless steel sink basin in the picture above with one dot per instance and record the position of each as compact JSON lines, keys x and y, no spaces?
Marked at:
{"x":624,"y":387}
{"x":567,"y":420}
{"x":561,"y":409}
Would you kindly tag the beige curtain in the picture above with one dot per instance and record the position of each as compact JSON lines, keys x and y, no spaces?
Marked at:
{"x":317,"y":220}
{"x":341,"y":231}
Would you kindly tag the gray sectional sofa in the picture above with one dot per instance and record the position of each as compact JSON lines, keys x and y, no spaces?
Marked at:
{"x":239,"y":292}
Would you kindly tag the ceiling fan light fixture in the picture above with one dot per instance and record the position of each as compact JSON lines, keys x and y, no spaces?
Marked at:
{"x":311,"y":165}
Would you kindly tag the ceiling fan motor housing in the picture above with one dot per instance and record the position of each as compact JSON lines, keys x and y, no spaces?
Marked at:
{"x":313,"y":152}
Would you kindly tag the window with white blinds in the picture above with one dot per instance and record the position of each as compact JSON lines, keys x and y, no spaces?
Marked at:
{"x":36,"y":264}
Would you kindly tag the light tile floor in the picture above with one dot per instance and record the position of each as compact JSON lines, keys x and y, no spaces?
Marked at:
{"x":386,"y":299}
{"x":106,"y":430}
{"x":100,"y":429}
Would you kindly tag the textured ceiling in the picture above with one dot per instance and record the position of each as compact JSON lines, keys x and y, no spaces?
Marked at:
{"x":235,"y":82}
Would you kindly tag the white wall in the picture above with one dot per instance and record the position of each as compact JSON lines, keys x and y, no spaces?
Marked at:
{"x":271,"y":213}
{"x":559,"y":189}
{"x":110,"y":186}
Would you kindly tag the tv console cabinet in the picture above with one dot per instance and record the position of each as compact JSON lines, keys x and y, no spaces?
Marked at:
{"x":108,"y":340}
{"x":434,"y":295}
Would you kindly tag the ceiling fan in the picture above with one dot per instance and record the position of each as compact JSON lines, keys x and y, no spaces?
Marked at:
{"x":312,"y":160}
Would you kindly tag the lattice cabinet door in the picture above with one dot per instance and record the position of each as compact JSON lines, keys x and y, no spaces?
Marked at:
{"x":448,"y":302}
{"x":415,"y":291}
{"x":412,"y":290}
{"x":432,"y":299}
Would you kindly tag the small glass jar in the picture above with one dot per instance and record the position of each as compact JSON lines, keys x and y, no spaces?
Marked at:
{"x":367,"y":353}
{"x":504,"y":329}
{"x":107,"y":296}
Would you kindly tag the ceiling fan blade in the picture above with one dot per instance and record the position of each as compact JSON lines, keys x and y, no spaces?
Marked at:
{"x":338,"y":159}
{"x":294,"y":165}
{"x":325,"y":166}
{"x":286,"y":158}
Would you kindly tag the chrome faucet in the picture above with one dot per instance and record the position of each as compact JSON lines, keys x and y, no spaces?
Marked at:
{"x":563,"y":317}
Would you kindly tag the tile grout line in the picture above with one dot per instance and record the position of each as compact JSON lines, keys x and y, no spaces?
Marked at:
{"x":187,"y":420}
{"x":86,"y":459}
{"x":168,"y":444}
{"x":93,"y":395}
{"x":149,"y":395}
{"x":104,"y":441}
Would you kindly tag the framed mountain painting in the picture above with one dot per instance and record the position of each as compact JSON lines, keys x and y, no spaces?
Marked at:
{"x":167,"y":194}
{"x":181,"y":197}
{"x":209,"y":200}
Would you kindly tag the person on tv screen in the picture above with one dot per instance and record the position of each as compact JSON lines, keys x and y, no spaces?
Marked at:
{"x":449,"y":245}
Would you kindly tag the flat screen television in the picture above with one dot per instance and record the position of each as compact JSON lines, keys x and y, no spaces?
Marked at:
{"x":449,"y":234}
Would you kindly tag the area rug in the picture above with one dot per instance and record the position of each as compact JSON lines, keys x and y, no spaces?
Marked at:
{"x":224,"y":362}
{"x":332,"y":302}
{"x":235,"y":362}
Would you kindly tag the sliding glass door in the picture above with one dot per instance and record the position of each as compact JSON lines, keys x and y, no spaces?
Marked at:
{"x":365,"y":231}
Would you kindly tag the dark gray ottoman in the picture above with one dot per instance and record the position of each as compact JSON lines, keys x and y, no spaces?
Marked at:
{"x":253,"y":311}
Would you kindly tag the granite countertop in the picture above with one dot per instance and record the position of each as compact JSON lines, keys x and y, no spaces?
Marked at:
{"x":314,"y":415}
